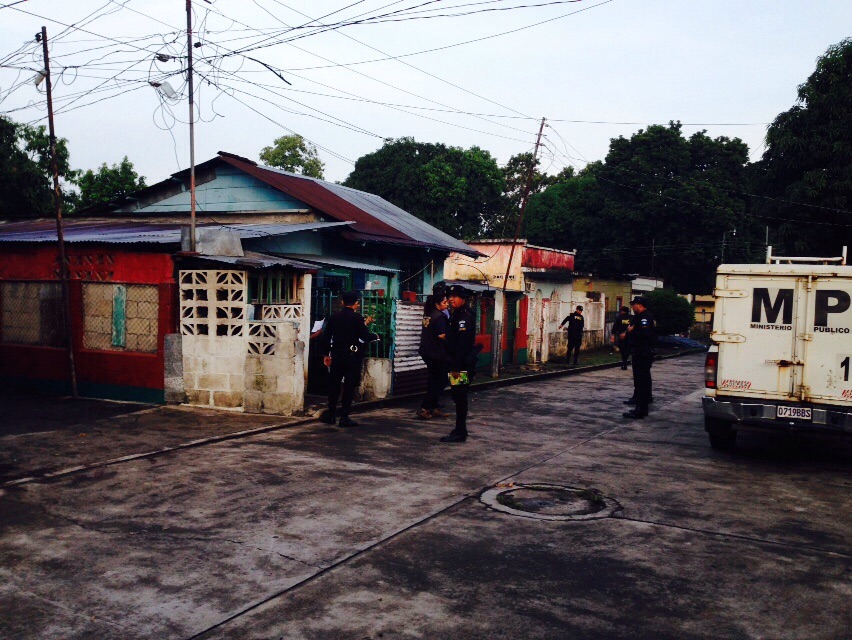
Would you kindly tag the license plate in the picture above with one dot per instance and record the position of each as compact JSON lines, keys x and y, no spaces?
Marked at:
{"x":797,"y":413}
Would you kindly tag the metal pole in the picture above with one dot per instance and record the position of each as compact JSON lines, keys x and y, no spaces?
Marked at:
{"x":57,"y":205}
{"x":191,"y":127}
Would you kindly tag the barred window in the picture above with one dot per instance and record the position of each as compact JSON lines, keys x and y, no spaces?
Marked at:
{"x":32,"y":313}
{"x":273,"y":287}
{"x":120,"y":317}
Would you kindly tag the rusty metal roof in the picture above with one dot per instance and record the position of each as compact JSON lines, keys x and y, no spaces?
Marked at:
{"x":340,"y":262}
{"x":119,"y":232}
{"x":255,"y":260}
{"x":375,"y":219}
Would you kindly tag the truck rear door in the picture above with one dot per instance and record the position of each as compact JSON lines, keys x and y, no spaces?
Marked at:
{"x":827,"y":343}
{"x":756,"y":323}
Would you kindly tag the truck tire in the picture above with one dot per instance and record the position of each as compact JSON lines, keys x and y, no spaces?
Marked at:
{"x":722,"y":436}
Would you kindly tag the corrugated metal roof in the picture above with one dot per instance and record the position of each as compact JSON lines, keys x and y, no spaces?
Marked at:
{"x":374,"y":217}
{"x":118,"y":232}
{"x":255,"y":260}
{"x":339,"y":262}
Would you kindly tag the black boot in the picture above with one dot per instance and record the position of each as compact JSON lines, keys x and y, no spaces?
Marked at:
{"x":346,"y":421}
{"x":455,"y":436}
{"x":630,"y":401}
{"x":328,"y":415}
{"x":634,"y":414}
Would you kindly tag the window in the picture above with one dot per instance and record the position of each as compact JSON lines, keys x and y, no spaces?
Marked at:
{"x":274,"y":287}
{"x":32,"y":313}
{"x":120,"y":317}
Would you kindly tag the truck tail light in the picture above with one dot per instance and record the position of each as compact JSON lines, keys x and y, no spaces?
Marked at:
{"x":711,"y":366}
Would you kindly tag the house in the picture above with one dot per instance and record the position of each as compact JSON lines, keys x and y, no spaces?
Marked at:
{"x":227,"y":325}
{"x":539,"y":292}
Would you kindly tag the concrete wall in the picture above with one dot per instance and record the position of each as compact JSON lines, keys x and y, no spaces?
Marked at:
{"x":375,"y":379}
{"x":230,"y":362}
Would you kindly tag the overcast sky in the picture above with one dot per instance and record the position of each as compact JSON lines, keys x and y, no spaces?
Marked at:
{"x":722,"y":65}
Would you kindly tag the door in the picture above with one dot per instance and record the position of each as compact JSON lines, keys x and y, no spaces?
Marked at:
{"x":756,"y":326}
{"x":827,"y":353}
{"x":509,"y":328}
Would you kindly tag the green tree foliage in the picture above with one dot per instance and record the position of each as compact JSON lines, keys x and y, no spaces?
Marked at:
{"x":294,"y":154}
{"x":516,"y":174}
{"x":456,"y":190}
{"x":659,"y":205}
{"x":808,"y":161}
{"x":672,"y":314}
{"x":26,"y":178}
{"x":108,"y":183}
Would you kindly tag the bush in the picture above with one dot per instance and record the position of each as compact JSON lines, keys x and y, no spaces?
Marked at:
{"x":672,"y":313}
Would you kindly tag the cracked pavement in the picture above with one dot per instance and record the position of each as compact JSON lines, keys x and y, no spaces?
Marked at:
{"x":314,"y":532}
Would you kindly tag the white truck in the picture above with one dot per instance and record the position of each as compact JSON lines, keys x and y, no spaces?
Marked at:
{"x":781,"y":359}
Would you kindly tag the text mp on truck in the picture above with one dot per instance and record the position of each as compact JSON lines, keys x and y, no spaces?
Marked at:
{"x":781,"y":359}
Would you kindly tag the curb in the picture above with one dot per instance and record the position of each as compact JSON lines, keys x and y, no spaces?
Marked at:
{"x":357,"y":408}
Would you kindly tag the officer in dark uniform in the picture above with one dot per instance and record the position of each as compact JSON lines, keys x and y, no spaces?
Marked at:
{"x":462,"y":350}
{"x":433,"y":350}
{"x":344,"y":340}
{"x":619,"y":335}
{"x":575,"y":323}
{"x":641,"y":336}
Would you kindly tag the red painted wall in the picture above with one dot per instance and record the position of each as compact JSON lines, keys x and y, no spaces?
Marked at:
{"x":92,"y":264}
{"x":546,"y":259}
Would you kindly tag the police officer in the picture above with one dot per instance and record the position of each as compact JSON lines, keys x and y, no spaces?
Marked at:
{"x":575,"y":323}
{"x":344,"y":340}
{"x":433,"y":350}
{"x":619,"y":335}
{"x":641,"y":336}
{"x":461,"y":347}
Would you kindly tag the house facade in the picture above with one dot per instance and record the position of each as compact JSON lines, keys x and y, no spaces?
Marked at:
{"x":539,"y":293}
{"x":232,"y":321}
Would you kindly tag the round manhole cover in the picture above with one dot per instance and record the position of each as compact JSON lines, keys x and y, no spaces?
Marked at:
{"x":549,"y":502}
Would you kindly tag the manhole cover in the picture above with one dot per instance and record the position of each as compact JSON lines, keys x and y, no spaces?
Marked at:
{"x":549,"y":502}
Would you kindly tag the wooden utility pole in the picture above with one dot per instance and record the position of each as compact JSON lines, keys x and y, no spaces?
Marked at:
{"x":499,"y":325}
{"x":191,"y":127}
{"x":524,"y":199}
{"x":57,"y":206}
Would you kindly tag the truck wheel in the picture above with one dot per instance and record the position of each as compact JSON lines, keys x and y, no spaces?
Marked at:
{"x":722,"y":436}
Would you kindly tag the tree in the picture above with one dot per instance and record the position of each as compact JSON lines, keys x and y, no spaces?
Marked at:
{"x":108,"y":183}
{"x":659,"y":205}
{"x":806,"y":171}
{"x":26,"y":177}
{"x":456,"y":190}
{"x":672,"y":313}
{"x":294,"y":154}
{"x":516,"y":174}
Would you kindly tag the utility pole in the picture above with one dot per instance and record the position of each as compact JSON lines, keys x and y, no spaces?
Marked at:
{"x":191,"y":128}
{"x":57,"y":206}
{"x":498,"y":324}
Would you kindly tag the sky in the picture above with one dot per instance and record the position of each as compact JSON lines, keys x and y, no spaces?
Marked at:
{"x":596,"y":70}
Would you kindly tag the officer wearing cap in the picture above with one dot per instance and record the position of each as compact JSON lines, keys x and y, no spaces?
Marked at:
{"x":641,"y":336}
{"x":575,"y":323}
{"x":343,"y":343}
{"x":461,"y":347}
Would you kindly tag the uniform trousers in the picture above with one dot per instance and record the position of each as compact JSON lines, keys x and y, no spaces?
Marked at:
{"x":345,"y":368}
{"x":436,"y":371}
{"x":574,"y":345}
{"x":459,"y":395}
{"x":642,"y":362}
{"x":624,"y":349}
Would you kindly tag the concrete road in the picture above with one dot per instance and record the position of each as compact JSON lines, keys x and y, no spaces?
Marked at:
{"x":313,"y":532}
